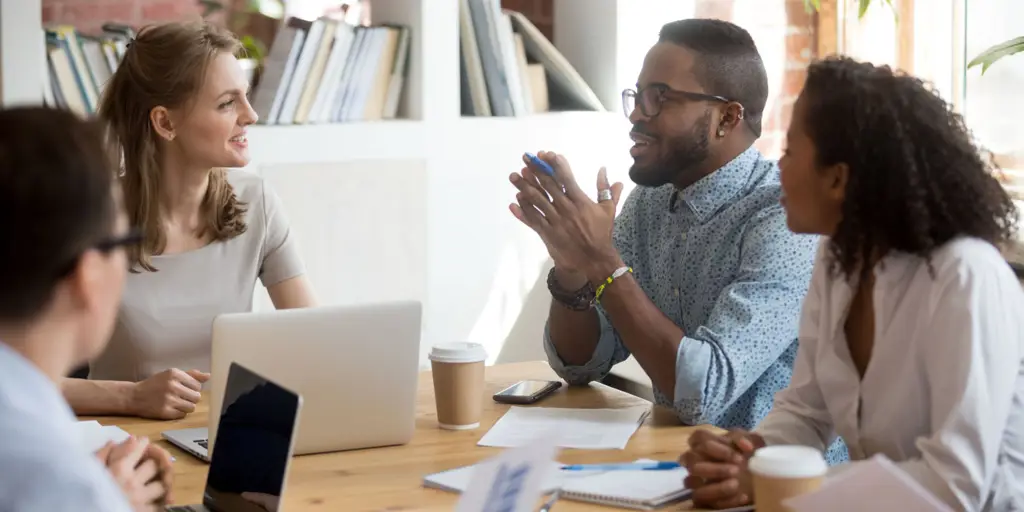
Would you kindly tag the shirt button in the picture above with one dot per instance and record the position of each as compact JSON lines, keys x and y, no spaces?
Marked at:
{"x":683,"y":236}
{"x":676,"y":291}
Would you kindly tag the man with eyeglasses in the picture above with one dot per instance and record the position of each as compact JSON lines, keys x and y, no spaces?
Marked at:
{"x":698,"y":278}
{"x":62,"y":268}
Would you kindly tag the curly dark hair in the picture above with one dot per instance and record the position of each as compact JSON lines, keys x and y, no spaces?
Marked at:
{"x":916,"y":180}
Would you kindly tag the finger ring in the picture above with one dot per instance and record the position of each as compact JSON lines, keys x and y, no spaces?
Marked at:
{"x":604,"y":195}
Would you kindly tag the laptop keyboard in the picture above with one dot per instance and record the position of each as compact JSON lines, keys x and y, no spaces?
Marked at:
{"x":203,"y":443}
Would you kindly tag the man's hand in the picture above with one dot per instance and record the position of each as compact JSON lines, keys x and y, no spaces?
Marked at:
{"x":168,"y":395}
{"x":717,"y":467}
{"x":136,"y":475}
{"x":576,"y":230}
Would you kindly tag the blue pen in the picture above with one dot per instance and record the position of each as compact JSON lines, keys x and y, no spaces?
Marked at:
{"x":544,"y":167}
{"x":631,"y":466}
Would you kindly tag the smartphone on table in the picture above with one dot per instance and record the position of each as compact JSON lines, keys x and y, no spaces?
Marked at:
{"x":527,"y":391}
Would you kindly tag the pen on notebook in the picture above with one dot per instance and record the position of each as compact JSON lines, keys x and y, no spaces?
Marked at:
{"x":546,"y":507}
{"x":634,"y":466}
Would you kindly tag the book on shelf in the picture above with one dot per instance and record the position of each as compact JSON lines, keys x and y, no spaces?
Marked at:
{"x":328,"y":70}
{"x":509,"y":68}
{"x":79,"y":66}
{"x":321,"y":71}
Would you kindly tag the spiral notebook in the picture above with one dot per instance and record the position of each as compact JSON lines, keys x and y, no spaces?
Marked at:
{"x":638,"y":490}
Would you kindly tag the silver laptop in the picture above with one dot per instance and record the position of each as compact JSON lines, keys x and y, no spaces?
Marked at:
{"x":356,"y":367}
{"x":250,"y":466}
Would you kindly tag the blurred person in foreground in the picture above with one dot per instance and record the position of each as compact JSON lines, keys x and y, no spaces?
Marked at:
{"x":64,"y":265}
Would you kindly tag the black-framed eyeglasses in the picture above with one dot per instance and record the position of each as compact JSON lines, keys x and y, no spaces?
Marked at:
{"x":132,"y":237}
{"x":653,"y":96}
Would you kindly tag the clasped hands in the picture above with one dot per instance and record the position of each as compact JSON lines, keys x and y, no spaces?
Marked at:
{"x":717,"y":468}
{"x":576,"y":230}
{"x":142,"y":470}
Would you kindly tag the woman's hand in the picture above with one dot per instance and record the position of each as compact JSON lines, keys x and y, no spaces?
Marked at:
{"x":168,"y":395}
{"x":717,"y":467}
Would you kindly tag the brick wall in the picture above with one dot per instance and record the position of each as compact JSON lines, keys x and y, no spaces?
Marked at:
{"x":90,"y":15}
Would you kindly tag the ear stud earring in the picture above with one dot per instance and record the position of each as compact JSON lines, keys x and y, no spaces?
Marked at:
{"x":721,"y":132}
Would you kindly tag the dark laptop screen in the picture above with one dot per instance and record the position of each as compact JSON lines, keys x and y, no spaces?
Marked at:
{"x":250,"y":455}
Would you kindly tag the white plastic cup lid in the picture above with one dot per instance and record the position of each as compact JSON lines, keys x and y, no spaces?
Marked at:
{"x":458,"y":352}
{"x":788,"y":461}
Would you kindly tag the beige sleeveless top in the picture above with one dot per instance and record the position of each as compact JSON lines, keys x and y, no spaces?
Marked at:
{"x":166,"y":317}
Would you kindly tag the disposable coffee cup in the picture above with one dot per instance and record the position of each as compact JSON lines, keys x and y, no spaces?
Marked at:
{"x":458,"y":370}
{"x":782,"y":472}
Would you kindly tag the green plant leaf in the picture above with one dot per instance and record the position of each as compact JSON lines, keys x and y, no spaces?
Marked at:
{"x":991,"y":55}
{"x":864,"y":4}
{"x":812,"y":6}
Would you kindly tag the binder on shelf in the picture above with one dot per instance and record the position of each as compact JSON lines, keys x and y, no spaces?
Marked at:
{"x":497,"y":49}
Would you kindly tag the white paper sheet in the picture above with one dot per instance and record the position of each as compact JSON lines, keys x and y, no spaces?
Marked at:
{"x":594,"y":429}
{"x":93,"y":435}
{"x":874,"y":484}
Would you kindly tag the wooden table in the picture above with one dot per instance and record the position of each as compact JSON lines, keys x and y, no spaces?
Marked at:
{"x":391,"y":478}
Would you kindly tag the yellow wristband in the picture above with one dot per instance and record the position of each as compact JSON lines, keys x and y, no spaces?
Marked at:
{"x":619,"y":272}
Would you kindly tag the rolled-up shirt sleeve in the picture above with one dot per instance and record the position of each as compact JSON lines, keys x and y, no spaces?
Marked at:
{"x":753,"y":322}
{"x":609,"y":352}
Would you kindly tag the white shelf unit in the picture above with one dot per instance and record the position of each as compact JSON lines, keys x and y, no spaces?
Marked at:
{"x":417,"y":208}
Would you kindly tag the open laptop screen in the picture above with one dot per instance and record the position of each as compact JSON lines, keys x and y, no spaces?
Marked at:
{"x":253,"y":446}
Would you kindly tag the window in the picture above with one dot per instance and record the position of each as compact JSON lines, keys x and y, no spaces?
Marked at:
{"x":993,"y":102}
{"x":935,"y":39}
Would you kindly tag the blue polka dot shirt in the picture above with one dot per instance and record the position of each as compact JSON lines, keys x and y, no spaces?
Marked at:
{"x":725,"y":268}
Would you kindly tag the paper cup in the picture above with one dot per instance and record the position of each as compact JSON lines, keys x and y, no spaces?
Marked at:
{"x":782,"y":472}
{"x":458,"y":371}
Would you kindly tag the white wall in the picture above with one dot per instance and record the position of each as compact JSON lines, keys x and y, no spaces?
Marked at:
{"x":22,"y":53}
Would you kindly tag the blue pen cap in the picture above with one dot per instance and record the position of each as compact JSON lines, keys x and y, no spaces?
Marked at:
{"x":544,"y":167}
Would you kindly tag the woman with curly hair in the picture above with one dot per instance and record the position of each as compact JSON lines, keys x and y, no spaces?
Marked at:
{"x":911,"y":336}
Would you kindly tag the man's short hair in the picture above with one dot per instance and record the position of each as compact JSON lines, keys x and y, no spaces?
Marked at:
{"x":57,"y":201}
{"x":728,"y":63}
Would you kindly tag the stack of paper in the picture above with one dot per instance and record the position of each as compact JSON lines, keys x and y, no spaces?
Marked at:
{"x":93,"y":435}
{"x":594,"y":429}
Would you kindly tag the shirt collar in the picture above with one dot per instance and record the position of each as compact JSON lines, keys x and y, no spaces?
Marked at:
{"x":712,"y":192}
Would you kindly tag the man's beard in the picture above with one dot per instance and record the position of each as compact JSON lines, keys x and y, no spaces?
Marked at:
{"x":687,"y":154}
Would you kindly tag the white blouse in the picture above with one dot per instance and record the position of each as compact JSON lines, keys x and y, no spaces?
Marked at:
{"x":943,"y":392}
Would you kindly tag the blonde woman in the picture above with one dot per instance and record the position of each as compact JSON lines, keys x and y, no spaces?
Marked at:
{"x":177,"y":112}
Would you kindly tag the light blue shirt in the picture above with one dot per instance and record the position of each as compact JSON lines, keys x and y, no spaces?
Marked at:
{"x":725,"y":268}
{"x":45,"y":468}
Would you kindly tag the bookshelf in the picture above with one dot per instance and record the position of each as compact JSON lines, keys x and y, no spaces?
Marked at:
{"x":416,"y":208}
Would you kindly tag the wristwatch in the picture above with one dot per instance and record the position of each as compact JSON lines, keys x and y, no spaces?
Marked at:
{"x":578,"y":300}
